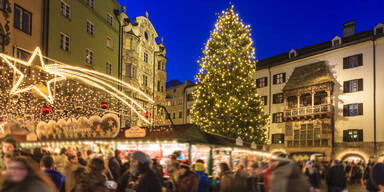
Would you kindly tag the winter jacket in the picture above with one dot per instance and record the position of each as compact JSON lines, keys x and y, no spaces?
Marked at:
{"x":314,"y":177}
{"x":91,"y":182}
{"x":287,"y":177}
{"x":57,"y":177}
{"x":336,"y":177}
{"x":127,"y":181}
{"x":188,"y":182}
{"x":61,"y":162}
{"x":267,"y":178}
{"x":203,"y":182}
{"x":377,"y":174}
{"x":149,"y":182}
{"x":115,"y":168}
{"x":226,"y":181}
{"x":33,"y":185}
{"x":369,"y":185}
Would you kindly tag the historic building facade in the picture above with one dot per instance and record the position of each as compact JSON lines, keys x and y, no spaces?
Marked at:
{"x":143,"y":66}
{"x":323,"y":100}
{"x":178,"y":100}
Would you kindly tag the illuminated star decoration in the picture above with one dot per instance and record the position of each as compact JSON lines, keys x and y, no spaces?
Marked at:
{"x":16,"y":88}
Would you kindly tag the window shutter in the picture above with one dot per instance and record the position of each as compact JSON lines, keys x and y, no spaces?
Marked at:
{"x":360,"y":84}
{"x":265,"y":81}
{"x":257,"y":83}
{"x":283,"y":77}
{"x":344,"y":135}
{"x":360,"y":59}
{"x":265,"y":100}
{"x":274,"y":118}
{"x":361,"y":109}
{"x":345,"y":110}
{"x":274,"y":79}
{"x":345,"y":63}
{"x":346,"y":86}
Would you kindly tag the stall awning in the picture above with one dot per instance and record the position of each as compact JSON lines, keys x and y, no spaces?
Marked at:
{"x":308,"y":75}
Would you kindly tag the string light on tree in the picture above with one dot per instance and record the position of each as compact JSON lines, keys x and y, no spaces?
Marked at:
{"x":227,"y":102}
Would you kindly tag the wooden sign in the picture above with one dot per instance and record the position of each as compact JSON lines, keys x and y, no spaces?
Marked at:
{"x":135,"y":132}
{"x":253,"y":145}
{"x":239,"y":141}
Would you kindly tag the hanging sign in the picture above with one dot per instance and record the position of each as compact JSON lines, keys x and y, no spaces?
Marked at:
{"x":135,"y":132}
{"x":253,"y":145}
{"x":239,"y":141}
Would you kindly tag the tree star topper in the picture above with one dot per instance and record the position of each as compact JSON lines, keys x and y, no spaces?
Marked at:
{"x":16,"y":89}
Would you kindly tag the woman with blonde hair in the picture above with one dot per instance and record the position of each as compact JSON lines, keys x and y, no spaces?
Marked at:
{"x":23,"y":174}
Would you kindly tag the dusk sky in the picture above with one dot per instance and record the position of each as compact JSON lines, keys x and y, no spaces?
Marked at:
{"x":277,"y":25}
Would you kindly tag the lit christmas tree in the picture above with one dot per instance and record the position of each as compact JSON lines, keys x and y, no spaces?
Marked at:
{"x":227,"y":102}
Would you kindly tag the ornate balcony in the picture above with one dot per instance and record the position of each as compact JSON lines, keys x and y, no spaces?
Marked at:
{"x":308,"y":111}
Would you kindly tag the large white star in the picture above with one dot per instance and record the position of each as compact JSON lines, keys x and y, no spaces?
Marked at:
{"x":15,"y":90}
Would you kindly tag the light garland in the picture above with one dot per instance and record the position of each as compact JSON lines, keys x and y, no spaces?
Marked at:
{"x":15,"y":89}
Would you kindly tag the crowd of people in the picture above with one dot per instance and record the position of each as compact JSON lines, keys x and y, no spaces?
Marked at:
{"x":88,"y":171}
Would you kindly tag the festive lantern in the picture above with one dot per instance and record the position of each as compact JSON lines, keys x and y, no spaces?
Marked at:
{"x":148,"y":115}
{"x":104,"y":105}
{"x":45,"y":110}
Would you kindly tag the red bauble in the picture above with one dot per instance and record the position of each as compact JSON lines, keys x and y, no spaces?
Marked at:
{"x":147,"y":115}
{"x":104,"y":105}
{"x":46,"y":110}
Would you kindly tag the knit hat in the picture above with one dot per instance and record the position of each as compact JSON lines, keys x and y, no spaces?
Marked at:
{"x":185,"y":166}
{"x":199,"y":167}
{"x":140,"y":157}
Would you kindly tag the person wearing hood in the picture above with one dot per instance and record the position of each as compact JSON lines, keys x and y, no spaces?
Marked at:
{"x":148,"y":180}
{"x":203,"y":181}
{"x":311,"y":170}
{"x":188,"y":180}
{"x":57,"y":177}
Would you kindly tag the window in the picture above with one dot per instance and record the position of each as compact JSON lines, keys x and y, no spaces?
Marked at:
{"x":292,"y":54}
{"x":130,"y":70}
{"x":145,"y":80}
{"x":379,"y":30}
{"x":65,"y":42}
{"x":190,"y":97}
{"x":278,"y":98}
{"x":188,"y":112}
{"x":174,"y":115}
{"x":353,"y":109}
{"x":174,"y":90}
{"x":2,"y":4}
{"x":169,"y":103}
{"x":65,"y":9}
{"x":91,"y":3}
{"x":262,"y":82}
{"x":89,"y":56}
{"x":277,"y":117}
{"x":264,"y":100}
{"x":23,"y":19}
{"x":353,"y":135}
{"x":180,"y":101}
{"x":353,"y":85}
{"x":109,"y":43}
{"x":22,"y":54}
{"x":158,"y":85}
{"x":146,"y":57}
{"x":109,"y":69}
{"x":278,"y":139}
{"x":180,"y":115}
{"x":162,"y":88}
{"x":279,"y":78}
{"x":353,"y":61}
{"x":109,"y":19}
{"x":159,"y":65}
{"x":90,"y":28}
{"x":163,"y":66}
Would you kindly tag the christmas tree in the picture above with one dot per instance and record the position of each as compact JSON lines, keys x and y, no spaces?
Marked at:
{"x":227,"y":102}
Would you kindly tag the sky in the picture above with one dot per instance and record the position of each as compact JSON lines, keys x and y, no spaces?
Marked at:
{"x":277,"y":25}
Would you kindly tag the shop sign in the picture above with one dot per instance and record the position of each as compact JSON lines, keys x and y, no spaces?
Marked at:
{"x":135,"y":132}
{"x":253,"y":145}
{"x":239,"y":141}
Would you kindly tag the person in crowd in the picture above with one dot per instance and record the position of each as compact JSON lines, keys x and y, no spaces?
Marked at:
{"x":61,"y":160}
{"x":37,"y":154}
{"x":23,"y":175}
{"x":80,"y":158}
{"x":311,"y":170}
{"x":369,"y":185}
{"x":48,"y":166}
{"x":377,"y":176}
{"x":127,"y":180}
{"x":95,"y":179}
{"x":336,"y":177}
{"x":158,"y":169}
{"x":267,"y":177}
{"x":188,"y":180}
{"x":71,"y":166}
{"x":8,"y":147}
{"x":148,"y":180}
{"x":286,"y":176}
{"x":226,"y":178}
{"x":114,"y":166}
{"x":203,"y":179}
{"x":172,"y":161}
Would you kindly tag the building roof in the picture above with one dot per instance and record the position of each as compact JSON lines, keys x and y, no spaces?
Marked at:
{"x":315,"y":49}
{"x":173,"y":83}
{"x":308,"y":75}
